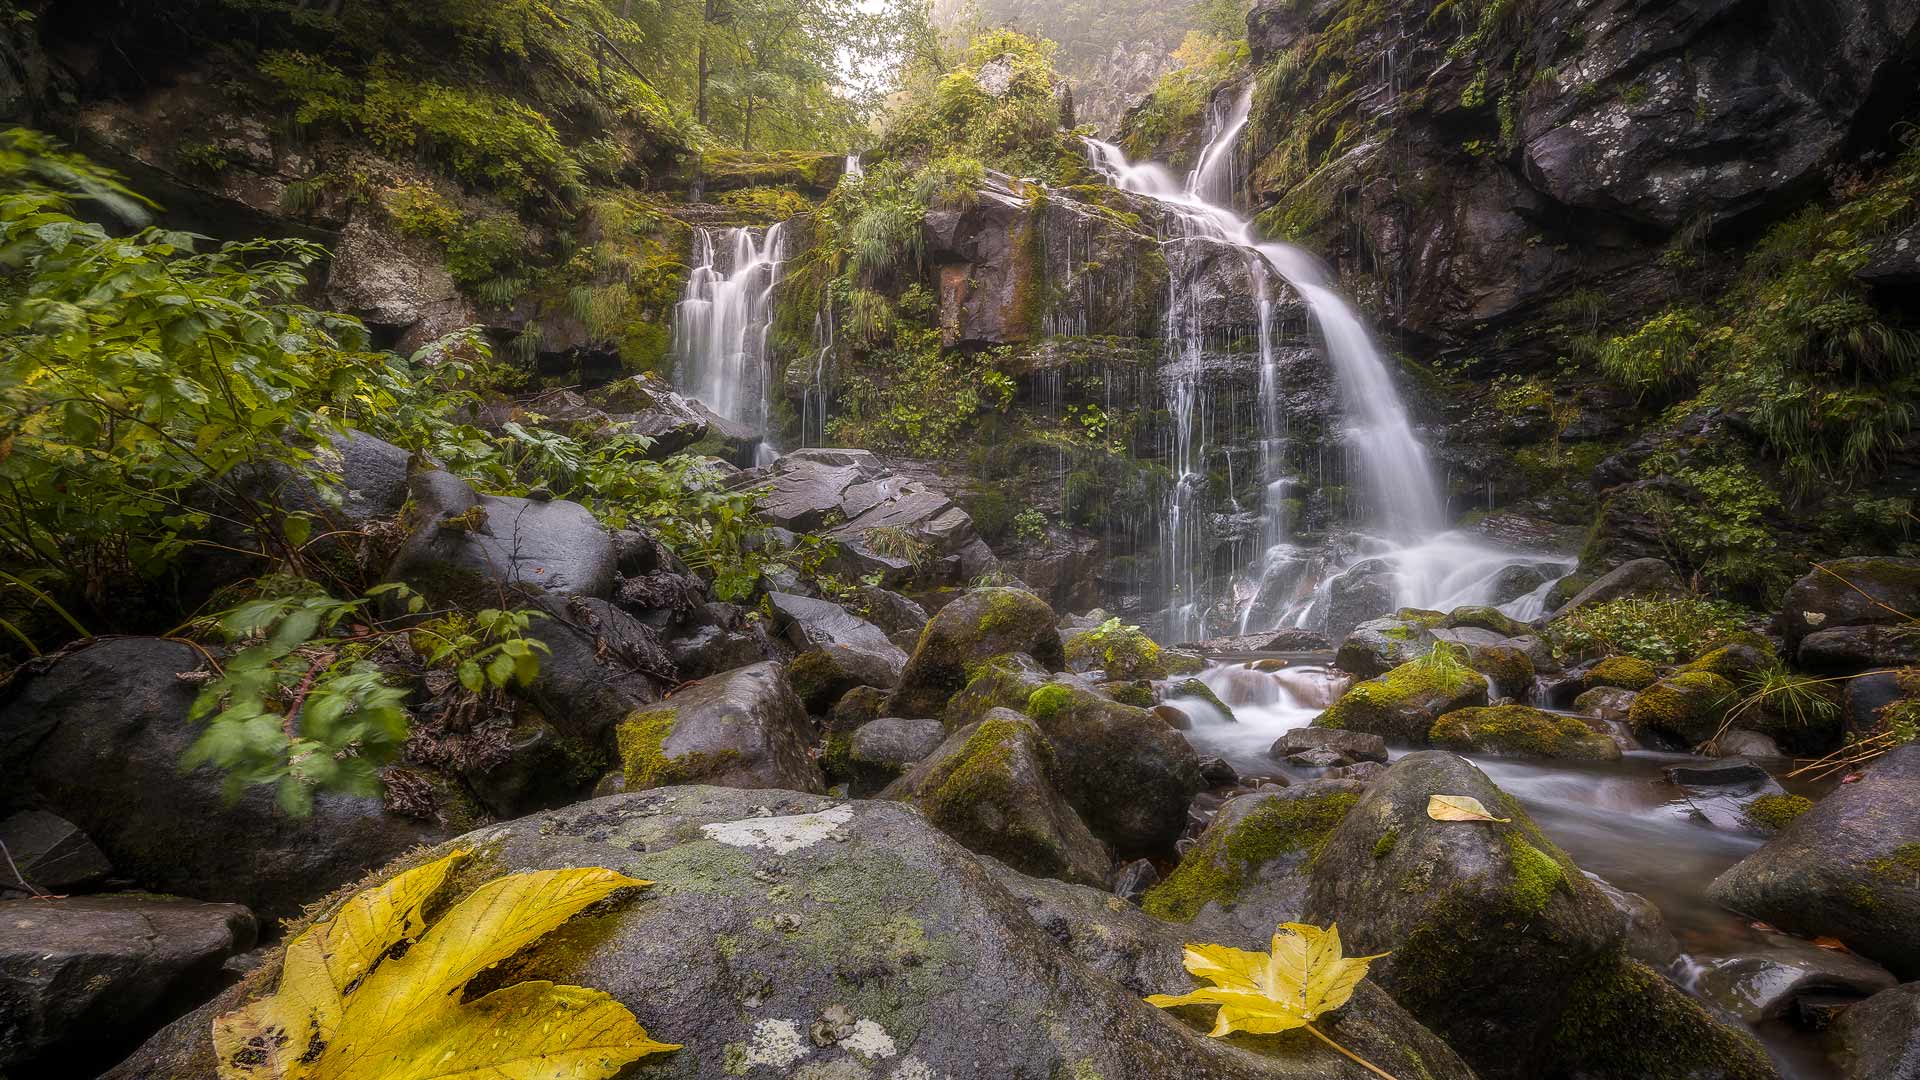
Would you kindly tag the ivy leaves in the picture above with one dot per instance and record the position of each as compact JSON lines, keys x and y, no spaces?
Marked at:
{"x":375,"y":992}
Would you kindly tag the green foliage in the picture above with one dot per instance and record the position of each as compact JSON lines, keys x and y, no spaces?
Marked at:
{"x":296,"y":708}
{"x":1658,"y":357}
{"x":1659,"y":631}
{"x":1175,"y":107}
{"x":418,"y":210}
{"x":1716,"y":521}
{"x":488,"y":250}
{"x":953,"y":114}
{"x":949,"y":181}
{"x":1030,"y":526}
{"x":913,"y":400}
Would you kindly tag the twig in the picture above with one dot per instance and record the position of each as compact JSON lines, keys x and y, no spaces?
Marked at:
{"x":18,"y":876}
{"x":300,"y":694}
{"x":1356,"y":1058}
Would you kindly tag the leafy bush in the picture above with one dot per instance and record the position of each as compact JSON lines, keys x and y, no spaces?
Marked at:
{"x":1659,"y":356}
{"x":1659,"y":631}
{"x":419,"y":211}
{"x":1029,"y":526}
{"x":1718,"y":524}
{"x":486,"y":250}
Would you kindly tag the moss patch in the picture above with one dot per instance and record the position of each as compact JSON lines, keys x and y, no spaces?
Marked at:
{"x":641,"y":739}
{"x":1624,"y":672}
{"x":1384,"y":846}
{"x":1776,"y":811}
{"x":1688,"y":706}
{"x":1625,"y":1022}
{"x":1046,"y":702}
{"x":1536,"y":876}
{"x":1220,"y":866}
{"x":1517,"y":729}
{"x":1902,"y":866}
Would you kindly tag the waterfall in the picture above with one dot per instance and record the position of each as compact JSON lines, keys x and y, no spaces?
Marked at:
{"x":854,"y":169}
{"x":1430,"y":565}
{"x":720,"y":327}
{"x":819,"y":391}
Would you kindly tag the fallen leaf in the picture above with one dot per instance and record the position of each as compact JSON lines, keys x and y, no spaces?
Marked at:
{"x":348,"y":1008}
{"x":1303,"y":977}
{"x":1850,"y":778}
{"x":1832,"y":943}
{"x":1459,"y":808}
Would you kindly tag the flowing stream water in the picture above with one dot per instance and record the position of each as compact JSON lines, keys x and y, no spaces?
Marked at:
{"x":1621,"y":821}
{"x":1407,"y":534}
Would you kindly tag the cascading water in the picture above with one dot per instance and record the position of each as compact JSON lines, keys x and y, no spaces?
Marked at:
{"x":720,"y":327}
{"x":1431,"y":567}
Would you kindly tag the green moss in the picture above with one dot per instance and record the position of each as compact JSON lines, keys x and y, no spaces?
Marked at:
{"x":1376,"y":704}
{"x":836,"y":758}
{"x":1518,"y":729}
{"x":1777,"y":811}
{"x":1218,"y":869}
{"x":1688,"y":706}
{"x":1196,"y":688}
{"x":1384,"y":846}
{"x":1624,"y":672}
{"x":641,"y":739}
{"x":1138,"y":695}
{"x":1902,"y":866}
{"x":1536,"y":875}
{"x":1488,"y":618}
{"x":1730,"y":661}
{"x":1123,"y":652}
{"x":1624,"y":1022}
{"x":1046,"y":702}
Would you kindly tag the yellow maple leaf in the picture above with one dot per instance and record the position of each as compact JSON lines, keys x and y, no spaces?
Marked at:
{"x":1304,"y":977}
{"x":348,"y":1008}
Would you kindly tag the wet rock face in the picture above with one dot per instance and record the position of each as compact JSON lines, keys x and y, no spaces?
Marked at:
{"x":774,"y":908}
{"x":467,"y":544}
{"x":1848,"y":868}
{"x":742,"y":728}
{"x":1879,"y":1038}
{"x":83,"y":976}
{"x":97,"y":735}
{"x":1859,"y":592}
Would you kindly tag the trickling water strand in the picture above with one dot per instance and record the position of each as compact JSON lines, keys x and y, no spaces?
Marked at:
{"x":819,"y":391}
{"x":854,"y":169}
{"x":720,"y":327}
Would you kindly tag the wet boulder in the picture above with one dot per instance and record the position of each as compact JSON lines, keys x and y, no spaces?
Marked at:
{"x":1635,"y":578}
{"x":837,"y":649}
{"x":1687,"y":708}
{"x":719,"y":637}
{"x":1869,"y":700}
{"x":1130,"y":776}
{"x":1730,"y":793}
{"x":1348,"y":746}
{"x":1605,"y":702}
{"x":1509,"y":668}
{"x":1733,"y":662}
{"x":1865,"y":591}
{"x":993,"y":786}
{"x":1402,"y":705}
{"x":892,"y":613}
{"x":601,"y":664}
{"x":874,"y":754}
{"x":1362,"y":594}
{"x":1004,"y":682}
{"x":1500,"y":943}
{"x":742,"y":728}
{"x":81,"y":976}
{"x":647,"y":405}
{"x":1490,"y":619}
{"x":1767,"y":984}
{"x":980,"y":625}
{"x":1519,"y":731}
{"x":50,"y":854}
{"x":1844,"y":650}
{"x":467,"y":547}
{"x":1848,"y":868}
{"x":1124,"y":652}
{"x":1879,"y":1038}
{"x":96,"y":735}
{"x":776,"y":911}
{"x":1247,"y":874}
{"x":1377,"y":646}
{"x":1739,"y":742}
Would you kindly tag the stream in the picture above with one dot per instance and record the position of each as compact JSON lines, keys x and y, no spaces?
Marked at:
{"x":1622,"y":821}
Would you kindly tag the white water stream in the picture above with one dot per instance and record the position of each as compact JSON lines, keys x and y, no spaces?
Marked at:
{"x":720,"y":327}
{"x":1430,"y":566}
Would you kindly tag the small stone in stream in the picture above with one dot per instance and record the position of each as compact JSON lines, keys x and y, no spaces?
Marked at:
{"x":1218,"y":773}
{"x":1727,"y":774}
{"x":1268,"y":783}
{"x":1765,"y":986}
{"x":1364,"y":771}
{"x":1271,"y":663}
{"x":1741,"y":743}
{"x":1819,"y":1011}
{"x":1349,"y":745}
{"x":1173,"y":717}
{"x":1133,"y":880}
{"x":1317,"y":759}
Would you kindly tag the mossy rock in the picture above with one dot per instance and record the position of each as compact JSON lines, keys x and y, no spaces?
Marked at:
{"x":1627,"y":1022}
{"x":1199,"y":689}
{"x":741,"y":728}
{"x":860,"y":705}
{"x":1402,"y":705}
{"x":1125,"y":652}
{"x":993,"y":786}
{"x":1129,"y":775}
{"x":1777,"y":811}
{"x":1622,"y":672}
{"x":1510,"y":668}
{"x":980,"y":625}
{"x":1686,"y":708}
{"x":1519,"y":731}
{"x":1481,"y":617}
{"x":1246,"y":874}
{"x":1003,"y":682}
{"x":1731,"y":662}
{"x":1495,"y":934}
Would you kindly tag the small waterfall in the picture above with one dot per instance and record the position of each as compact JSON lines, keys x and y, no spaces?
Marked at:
{"x":720,"y":328}
{"x":854,"y":169}
{"x":1432,"y":567}
{"x":819,"y":392}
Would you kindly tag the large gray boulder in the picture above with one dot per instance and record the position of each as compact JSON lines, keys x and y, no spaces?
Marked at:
{"x":1501,"y":944}
{"x":646,"y":405}
{"x":96,"y":735}
{"x":467,"y":547}
{"x":993,"y":786}
{"x":877,"y":752}
{"x":979,"y":626}
{"x":1377,"y":646}
{"x":1845,"y":650}
{"x":1849,"y":868}
{"x":81,"y":977}
{"x":1879,"y":1038}
{"x":719,"y":637}
{"x":791,"y":935}
{"x":742,"y":728}
{"x":1634,"y":578}
{"x":1865,"y":591}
